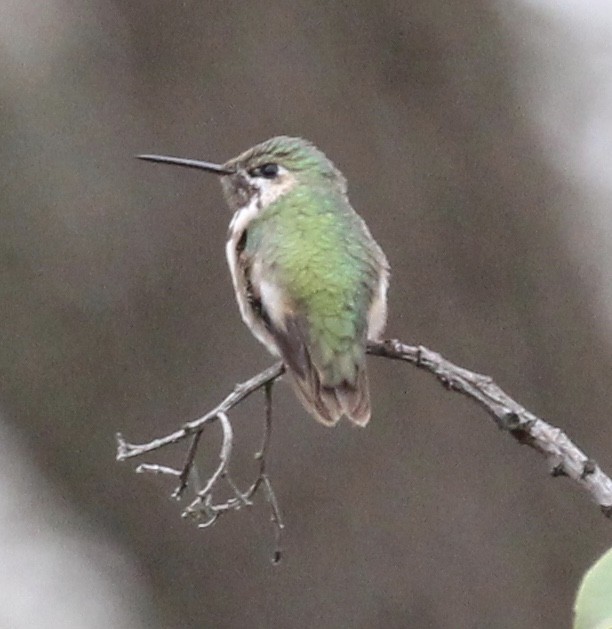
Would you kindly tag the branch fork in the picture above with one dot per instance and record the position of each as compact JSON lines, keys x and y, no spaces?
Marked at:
{"x":564,"y":458}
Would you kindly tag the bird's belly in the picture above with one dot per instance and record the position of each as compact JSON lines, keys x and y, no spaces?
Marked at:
{"x":251,"y":318}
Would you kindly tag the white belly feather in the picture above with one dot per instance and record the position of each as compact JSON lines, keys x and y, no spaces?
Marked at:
{"x":377,"y":313}
{"x":271,"y":295}
{"x":238,"y":225}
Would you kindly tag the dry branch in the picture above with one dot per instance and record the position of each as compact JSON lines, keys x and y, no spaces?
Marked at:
{"x":563,"y":456}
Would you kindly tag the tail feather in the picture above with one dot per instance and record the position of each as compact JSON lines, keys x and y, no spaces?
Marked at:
{"x":326,"y":394}
{"x":328,"y":404}
{"x":355,"y":399}
{"x":321,"y":403}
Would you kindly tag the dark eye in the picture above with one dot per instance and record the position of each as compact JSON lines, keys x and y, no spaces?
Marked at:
{"x":269,"y":171}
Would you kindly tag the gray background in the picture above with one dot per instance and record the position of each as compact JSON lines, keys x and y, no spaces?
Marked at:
{"x":460,"y":127}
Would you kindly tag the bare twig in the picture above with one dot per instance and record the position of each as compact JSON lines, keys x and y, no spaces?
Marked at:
{"x":275,"y":514}
{"x":263,"y":450}
{"x":224,"y":456}
{"x":563,"y":456}
{"x":203,"y":507}
{"x":126,"y":450}
{"x":276,"y":518}
{"x":187,"y":465}
{"x":153,"y":468}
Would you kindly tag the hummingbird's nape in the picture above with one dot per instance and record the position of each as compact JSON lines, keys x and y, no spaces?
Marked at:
{"x":218,"y":169}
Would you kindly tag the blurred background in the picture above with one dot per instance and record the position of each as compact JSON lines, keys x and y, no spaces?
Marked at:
{"x":476,"y":138}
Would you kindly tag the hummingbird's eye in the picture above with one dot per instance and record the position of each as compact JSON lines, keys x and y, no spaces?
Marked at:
{"x":268,"y":171}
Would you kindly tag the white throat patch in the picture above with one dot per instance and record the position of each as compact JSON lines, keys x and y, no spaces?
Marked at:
{"x":268,"y":191}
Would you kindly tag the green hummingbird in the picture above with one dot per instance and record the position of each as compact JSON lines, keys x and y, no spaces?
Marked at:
{"x":310,"y":280}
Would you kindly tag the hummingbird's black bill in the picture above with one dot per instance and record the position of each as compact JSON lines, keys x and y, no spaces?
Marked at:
{"x":187,"y":163}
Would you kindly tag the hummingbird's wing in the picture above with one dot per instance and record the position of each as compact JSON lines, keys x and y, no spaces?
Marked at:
{"x":326,"y":365}
{"x":313,"y":305}
{"x":326,"y":401}
{"x":324,"y":395}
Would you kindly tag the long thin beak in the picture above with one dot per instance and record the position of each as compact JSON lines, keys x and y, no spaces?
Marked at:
{"x":218,"y":169}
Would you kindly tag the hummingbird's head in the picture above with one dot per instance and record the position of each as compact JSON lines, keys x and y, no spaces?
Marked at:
{"x":275,"y":167}
{"x":267,"y":171}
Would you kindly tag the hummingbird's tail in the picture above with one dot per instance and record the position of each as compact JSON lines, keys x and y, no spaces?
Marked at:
{"x":329,"y":389}
{"x":352,"y":397}
{"x":328,"y":404}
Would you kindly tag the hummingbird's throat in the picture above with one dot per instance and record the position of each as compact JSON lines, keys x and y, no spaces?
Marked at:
{"x":242,"y":217}
{"x":261,"y":194}
{"x":243,"y":190}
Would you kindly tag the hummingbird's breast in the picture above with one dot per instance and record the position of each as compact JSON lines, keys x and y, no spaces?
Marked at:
{"x":308,"y":255}
{"x":321,"y":252}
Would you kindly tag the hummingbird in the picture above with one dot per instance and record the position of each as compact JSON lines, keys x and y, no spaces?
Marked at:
{"x":310,"y":280}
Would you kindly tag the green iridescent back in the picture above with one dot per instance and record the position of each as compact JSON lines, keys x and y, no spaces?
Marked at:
{"x":319,"y":250}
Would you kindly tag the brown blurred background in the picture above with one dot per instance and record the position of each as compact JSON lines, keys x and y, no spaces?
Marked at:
{"x":456,"y":126}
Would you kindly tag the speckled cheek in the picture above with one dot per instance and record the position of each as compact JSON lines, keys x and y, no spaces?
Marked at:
{"x":238,"y":191}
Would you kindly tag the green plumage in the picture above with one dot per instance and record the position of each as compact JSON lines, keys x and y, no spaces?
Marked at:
{"x":317,"y":249}
{"x":310,"y":280}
